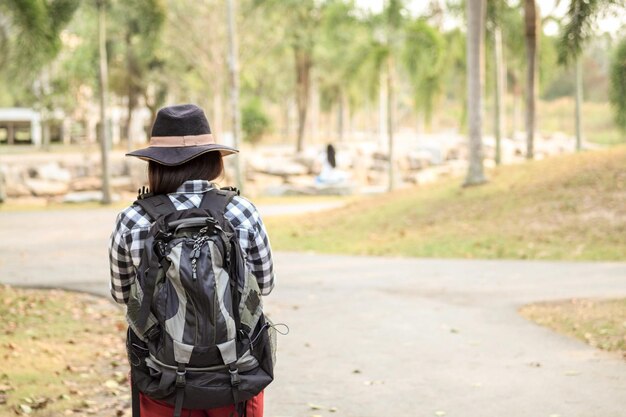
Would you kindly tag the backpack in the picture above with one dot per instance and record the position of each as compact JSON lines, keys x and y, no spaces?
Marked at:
{"x":197,"y":335}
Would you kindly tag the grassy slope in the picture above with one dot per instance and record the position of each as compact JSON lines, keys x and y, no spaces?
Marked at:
{"x":570,"y":207}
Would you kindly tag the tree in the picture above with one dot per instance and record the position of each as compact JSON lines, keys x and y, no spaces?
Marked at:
{"x":233,"y":69}
{"x":531,"y":26}
{"x":424,"y":60}
{"x":618,"y":85}
{"x":301,"y":22}
{"x":35,"y":38}
{"x":136,"y":54}
{"x":398,"y":44}
{"x":580,"y":19}
{"x":341,"y":37}
{"x":494,"y":17}
{"x":475,"y":81}
{"x":103,"y":92}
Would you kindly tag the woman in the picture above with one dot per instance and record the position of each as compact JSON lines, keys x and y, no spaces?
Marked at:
{"x":183,"y":159}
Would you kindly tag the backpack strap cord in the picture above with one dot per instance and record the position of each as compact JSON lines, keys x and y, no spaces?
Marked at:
{"x":180,"y":389}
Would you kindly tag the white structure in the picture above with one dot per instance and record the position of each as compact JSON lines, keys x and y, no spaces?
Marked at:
{"x":16,"y":117}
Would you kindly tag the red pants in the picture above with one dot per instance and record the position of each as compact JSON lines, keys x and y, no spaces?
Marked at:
{"x":154,"y":408}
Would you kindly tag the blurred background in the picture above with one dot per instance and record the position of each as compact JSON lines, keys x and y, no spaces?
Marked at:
{"x":287,"y":78}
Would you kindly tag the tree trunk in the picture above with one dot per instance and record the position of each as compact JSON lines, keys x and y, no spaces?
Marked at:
{"x":531,"y":17}
{"x":303,"y":83}
{"x":340,"y":116}
{"x":579,"y":102}
{"x":234,"y":89}
{"x":218,"y":113}
{"x":499,"y":92}
{"x":390,"y":121}
{"x":475,"y":80}
{"x":514,"y":104}
{"x":132,"y":102}
{"x":103,"y":81}
{"x":45,"y":132}
{"x":131,"y":93}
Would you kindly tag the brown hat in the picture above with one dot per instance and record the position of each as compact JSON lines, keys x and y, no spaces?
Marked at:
{"x":180,"y":133}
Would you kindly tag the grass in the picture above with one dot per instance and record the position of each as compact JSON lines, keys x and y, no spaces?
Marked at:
{"x":569,"y":207}
{"x":61,"y":353}
{"x":600,"y":323}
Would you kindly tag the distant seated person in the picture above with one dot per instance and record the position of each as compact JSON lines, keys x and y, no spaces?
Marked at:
{"x":330,"y":175}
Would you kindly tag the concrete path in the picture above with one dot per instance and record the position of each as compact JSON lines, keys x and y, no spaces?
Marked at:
{"x":384,"y":336}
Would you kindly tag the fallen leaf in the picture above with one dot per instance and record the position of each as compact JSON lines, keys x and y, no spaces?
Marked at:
{"x":111,"y":384}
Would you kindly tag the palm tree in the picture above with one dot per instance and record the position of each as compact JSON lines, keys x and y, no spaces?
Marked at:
{"x":578,"y":28}
{"x":234,"y":88}
{"x":475,"y":81}
{"x":103,"y":90}
{"x":424,"y":60}
{"x":397,"y":44}
{"x":494,"y":12}
{"x":531,"y":24}
{"x":37,"y":26}
{"x":618,"y":85}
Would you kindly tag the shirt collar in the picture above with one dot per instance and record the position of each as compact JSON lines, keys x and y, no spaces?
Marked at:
{"x":194,"y":186}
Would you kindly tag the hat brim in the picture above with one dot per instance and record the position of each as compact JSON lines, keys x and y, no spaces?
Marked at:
{"x":179,"y":155}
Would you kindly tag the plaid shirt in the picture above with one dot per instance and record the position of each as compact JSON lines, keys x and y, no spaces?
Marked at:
{"x":133,"y":224}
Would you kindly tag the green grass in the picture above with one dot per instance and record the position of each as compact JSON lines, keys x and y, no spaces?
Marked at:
{"x":600,"y":323}
{"x":569,"y":207}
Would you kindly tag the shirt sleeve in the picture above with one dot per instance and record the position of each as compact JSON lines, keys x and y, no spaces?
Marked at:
{"x":246,"y":220}
{"x":260,"y":256}
{"x":121,"y":265}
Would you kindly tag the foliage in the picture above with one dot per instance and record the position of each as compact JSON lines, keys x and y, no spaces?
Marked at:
{"x":254,"y":121}
{"x":424,"y":59}
{"x":618,"y":85}
{"x":135,"y":54}
{"x":579,"y":25}
{"x":30,"y":38}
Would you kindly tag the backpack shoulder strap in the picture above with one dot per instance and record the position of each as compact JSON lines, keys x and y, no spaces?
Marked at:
{"x":216,"y":201}
{"x":157,"y":205}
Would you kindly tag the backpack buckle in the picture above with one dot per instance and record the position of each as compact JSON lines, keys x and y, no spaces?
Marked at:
{"x":180,"y":378}
{"x":159,"y":249}
{"x":235,"y":379}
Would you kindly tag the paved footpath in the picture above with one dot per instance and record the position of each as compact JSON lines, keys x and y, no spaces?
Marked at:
{"x":380,"y":337}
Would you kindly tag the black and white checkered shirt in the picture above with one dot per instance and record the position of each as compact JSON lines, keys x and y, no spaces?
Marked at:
{"x":133,"y":224}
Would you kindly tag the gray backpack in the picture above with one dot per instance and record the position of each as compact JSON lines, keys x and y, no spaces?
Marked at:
{"x":197,"y":335}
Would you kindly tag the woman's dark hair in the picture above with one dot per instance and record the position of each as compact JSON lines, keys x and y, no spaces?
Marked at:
{"x":330,"y":155}
{"x":164,"y":179}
